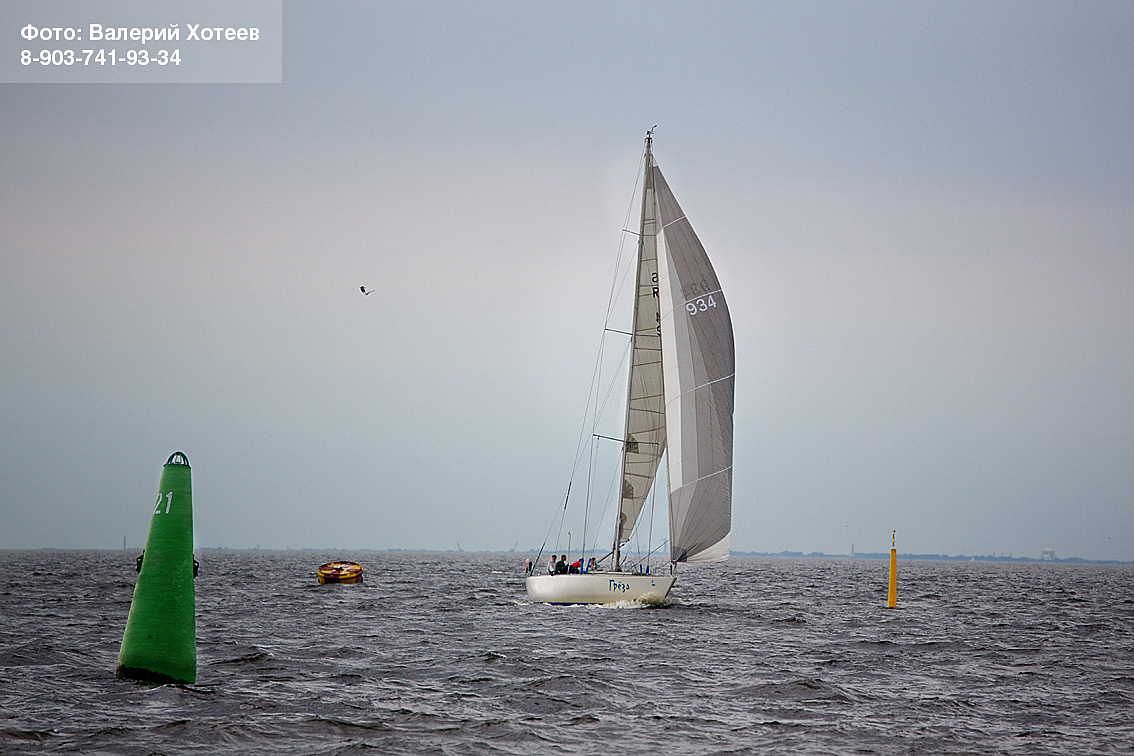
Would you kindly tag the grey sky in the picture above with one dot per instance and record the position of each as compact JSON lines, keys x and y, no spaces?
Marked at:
{"x":922,"y":218}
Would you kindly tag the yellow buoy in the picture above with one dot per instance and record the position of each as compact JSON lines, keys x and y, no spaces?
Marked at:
{"x":340,"y":572}
{"x":892,"y":601}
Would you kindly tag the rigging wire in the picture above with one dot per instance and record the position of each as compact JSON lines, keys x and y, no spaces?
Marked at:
{"x":596,"y":401}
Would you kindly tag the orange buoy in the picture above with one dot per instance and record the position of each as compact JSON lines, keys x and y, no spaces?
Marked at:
{"x":892,"y":598}
{"x":340,"y":572}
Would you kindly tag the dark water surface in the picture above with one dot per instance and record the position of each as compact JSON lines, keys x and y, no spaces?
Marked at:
{"x":442,"y":653}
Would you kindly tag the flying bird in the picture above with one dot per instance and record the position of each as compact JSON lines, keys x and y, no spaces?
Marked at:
{"x":364,"y":291}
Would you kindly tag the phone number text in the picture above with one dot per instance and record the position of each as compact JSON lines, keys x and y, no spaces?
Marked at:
{"x":110,"y":57}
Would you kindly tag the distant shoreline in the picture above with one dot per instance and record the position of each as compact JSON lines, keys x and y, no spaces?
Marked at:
{"x":733,"y":554}
{"x":927,"y":557}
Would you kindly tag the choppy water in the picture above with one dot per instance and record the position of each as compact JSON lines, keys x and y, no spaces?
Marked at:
{"x":442,"y":653}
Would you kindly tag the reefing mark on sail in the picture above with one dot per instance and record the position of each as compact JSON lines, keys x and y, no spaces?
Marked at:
{"x":721,"y":471}
{"x":705,"y":385}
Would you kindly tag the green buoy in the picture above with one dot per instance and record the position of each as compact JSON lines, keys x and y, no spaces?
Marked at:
{"x":160,"y":641}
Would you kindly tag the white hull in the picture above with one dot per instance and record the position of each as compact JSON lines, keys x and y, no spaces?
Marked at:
{"x":599,"y":588}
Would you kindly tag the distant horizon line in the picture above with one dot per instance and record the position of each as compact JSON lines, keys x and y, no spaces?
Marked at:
{"x":741,"y":554}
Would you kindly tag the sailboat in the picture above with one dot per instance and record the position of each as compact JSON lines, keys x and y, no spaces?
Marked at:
{"x":679,"y":406}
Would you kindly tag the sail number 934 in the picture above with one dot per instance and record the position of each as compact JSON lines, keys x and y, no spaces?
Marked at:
{"x":701,"y":304}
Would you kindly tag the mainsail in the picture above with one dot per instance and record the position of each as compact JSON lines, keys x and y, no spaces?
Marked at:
{"x":645,"y":411}
{"x":699,"y":376}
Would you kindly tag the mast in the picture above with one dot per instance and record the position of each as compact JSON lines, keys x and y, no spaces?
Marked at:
{"x":628,"y":443}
